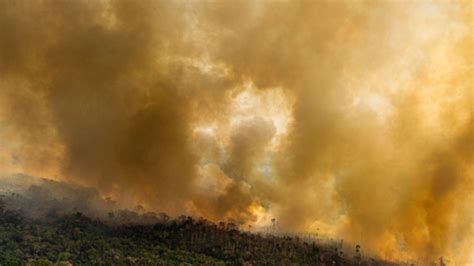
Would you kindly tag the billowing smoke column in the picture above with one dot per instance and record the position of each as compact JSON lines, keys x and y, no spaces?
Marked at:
{"x":353,"y":118}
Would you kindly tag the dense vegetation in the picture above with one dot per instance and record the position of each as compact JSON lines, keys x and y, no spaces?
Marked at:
{"x":77,"y":239}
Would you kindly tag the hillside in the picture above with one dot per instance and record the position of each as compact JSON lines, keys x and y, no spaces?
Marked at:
{"x":45,"y":222}
{"x":77,"y":239}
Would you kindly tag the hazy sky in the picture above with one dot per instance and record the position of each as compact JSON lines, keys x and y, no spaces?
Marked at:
{"x":351,"y":117}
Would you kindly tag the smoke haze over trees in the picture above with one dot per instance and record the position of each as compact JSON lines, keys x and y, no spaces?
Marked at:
{"x":351,"y":118}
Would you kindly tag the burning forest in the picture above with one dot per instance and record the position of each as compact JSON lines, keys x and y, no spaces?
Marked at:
{"x":236,"y":132}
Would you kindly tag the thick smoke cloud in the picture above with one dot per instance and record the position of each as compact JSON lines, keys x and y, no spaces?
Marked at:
{"x":350,"y":119}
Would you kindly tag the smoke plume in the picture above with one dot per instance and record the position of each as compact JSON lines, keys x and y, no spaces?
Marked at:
{"x":353,"y":119}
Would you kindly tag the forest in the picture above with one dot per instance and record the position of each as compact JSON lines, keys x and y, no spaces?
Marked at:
{"x":76,"y":239}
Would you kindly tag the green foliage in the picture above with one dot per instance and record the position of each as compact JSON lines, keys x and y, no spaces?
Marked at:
{"x":79,"y":240}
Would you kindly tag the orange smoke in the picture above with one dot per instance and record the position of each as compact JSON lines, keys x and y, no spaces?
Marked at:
{"x":349,"y":118}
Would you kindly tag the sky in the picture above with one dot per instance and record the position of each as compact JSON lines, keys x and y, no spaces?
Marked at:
{"x":349,"y":118}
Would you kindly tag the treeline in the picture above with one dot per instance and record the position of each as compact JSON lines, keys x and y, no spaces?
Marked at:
{"x":79,"y":240}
